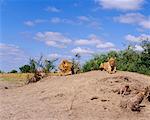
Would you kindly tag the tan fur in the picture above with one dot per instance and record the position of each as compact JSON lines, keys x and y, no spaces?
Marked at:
{"x":134,"y":102}
{"x":65,"y":67}
{"x":124,"y":90}
{"x":109,"y":66}
{"x":38,"y":75}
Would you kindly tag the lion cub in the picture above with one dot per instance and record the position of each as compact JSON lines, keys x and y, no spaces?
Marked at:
{"x":134,"y":102}
{"x":124,"y":90}
{"x":109,"y":66}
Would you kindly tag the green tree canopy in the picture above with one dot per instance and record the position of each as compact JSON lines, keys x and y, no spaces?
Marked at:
{"x":127,"y":60}
{"x":13,"y":71}
{"x":25,"y":69}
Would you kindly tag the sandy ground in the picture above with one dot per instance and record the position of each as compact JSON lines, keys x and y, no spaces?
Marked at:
{"x":86,"y":96}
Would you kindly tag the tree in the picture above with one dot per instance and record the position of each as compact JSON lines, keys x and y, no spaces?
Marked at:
{"x":32,"y":64}
{"x":127,"y":60}
{"x":76,"y":64}
{"x":25,"y":69}
{"x":113,"y":54}
{"x":13,"y":71}
{"x":145,"y":56}
{"x":49,"y":65}
{"x":42,"y":64}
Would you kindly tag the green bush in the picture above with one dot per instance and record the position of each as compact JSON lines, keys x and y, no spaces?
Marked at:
{"x":1,"y":71}
{"x":38,"y":64}
{"x":127,"y":60}
{"x":94,"y":63}
{"x":13,"y":71}
{"x":25,"y":69}
{"x":76,"y":68}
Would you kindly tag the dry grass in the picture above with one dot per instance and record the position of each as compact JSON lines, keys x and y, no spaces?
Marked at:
{"x":15,"y":77}
{"x":53,"y":74}
{"x":20,"y":77}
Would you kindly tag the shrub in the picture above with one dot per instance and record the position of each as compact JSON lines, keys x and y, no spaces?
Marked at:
{"x":48,"y":65}
{"x":13,"y":71}
{"x":25,"y":69}
{"x":127,"y":60}
{"x":76,"y":68}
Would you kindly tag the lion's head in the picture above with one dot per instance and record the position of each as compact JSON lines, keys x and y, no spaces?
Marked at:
{"x":65,"y":65}
{"x":112,"y":62}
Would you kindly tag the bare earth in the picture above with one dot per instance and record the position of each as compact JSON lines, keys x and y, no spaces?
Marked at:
{"x":86,"y":96}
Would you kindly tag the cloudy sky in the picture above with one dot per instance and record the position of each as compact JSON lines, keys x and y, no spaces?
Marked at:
{"x":62,"y":28}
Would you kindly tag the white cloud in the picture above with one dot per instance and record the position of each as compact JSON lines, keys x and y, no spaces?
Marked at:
{"x":11,"y":56}
{"x":137,"y":39}
{"x":54,"y":56}
{"x":84,"y":18}
{"x":95,"y":24}
{"x":121,"y":4}
{"x":91,"y":40}
{"x":113,"y":49}
{"x":145,"y":23}
{"x":86,"y":42}
{"x":89,"y":21}
{"x":82,"y":51}
{"x":130,"y":18}
{"x":106,"y":45}
{"x":9,"y":49}
{"x":54,"y":39}
{"x":138,"y":48}
{"x":95,"y":41}
{"x":29,"y":23}
{"x":79,"y":20}
{"x":55,"y":20}
{"x":52,"y":9}
{"x":134,"y":18}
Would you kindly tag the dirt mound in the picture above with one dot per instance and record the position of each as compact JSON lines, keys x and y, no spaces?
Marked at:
{"x":86,"y":96}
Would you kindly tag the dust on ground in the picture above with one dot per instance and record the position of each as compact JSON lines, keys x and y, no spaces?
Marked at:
{"x":86,"y":96}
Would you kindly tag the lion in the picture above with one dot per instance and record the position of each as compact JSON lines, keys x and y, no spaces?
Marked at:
{"x":124,"y":90}
{"x":38,"y":75}
{"x":66,"y":67}
{"x":109,"y":66}
{"x":134,"y":102}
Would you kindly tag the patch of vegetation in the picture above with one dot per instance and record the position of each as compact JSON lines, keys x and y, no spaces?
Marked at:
{"x":76,"y":68}
{"x":13,"y":71}
{"x":25,"y":69}
{"x":44,"y":64}
{"x":127,"y":60}
{"x":15,"y":77}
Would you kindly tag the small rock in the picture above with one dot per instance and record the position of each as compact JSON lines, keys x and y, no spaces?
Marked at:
{"x":93,"y":98}
{"x":6,"y":87}
{"x":103,"y":100}
{"x":104,"y":107}
{"x":59,"y":95}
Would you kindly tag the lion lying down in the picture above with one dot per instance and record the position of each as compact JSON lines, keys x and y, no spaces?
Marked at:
{"x":134,"y":102}
{"x":66,"y":67}
{"x":109,"y":66}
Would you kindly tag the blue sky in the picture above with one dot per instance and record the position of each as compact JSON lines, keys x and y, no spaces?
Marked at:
{"x":62,"y":28}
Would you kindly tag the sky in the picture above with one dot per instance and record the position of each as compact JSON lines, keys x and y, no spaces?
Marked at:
{"x":62,"y":28}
